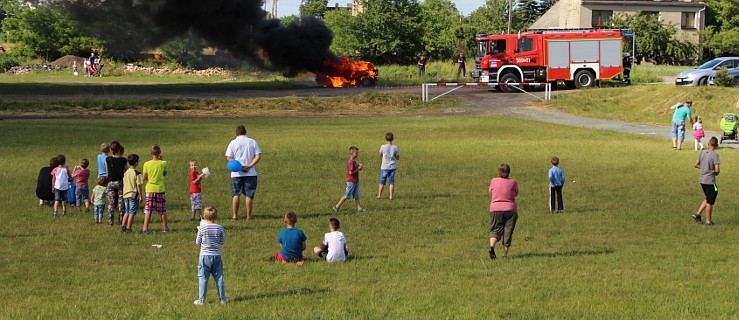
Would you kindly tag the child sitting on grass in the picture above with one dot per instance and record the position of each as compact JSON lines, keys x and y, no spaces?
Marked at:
{"x":210,"y":238}
{"x":98,"y":198}
{"x":292,"y":242}
{"x":333,"y":248}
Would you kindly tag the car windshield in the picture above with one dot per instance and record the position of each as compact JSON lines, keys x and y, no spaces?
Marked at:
{"x":710,"y":64}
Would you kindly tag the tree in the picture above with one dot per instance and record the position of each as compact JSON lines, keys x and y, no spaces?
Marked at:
{"x":186,"y":49}
{"x":45,"y":32}
{"x":525,"y":13}
{"x":313,"y":8}
{"x":343,"y":25}
{"x":656,"y":41}
{"x":388,"y":31}
{"x":721,"y":36}
{"x":491,"y":18}
{"x":439,"y":18}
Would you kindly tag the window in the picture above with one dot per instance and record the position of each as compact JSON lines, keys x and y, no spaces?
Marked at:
{"x":602,"y":18}
{"x":688,"y":20}
{"x":650,"y":14}
{"x":525,"y":44}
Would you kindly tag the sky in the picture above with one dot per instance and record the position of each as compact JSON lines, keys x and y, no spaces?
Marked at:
{"x":290,"y":7}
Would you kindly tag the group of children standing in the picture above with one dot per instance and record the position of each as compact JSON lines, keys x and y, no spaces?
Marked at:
{"x":119,"y":180}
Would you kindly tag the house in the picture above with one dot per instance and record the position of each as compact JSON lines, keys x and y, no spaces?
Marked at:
{"x":688,"y":16}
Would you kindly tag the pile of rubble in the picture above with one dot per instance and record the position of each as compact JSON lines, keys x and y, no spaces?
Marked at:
{"x":31,"y":67}
{"x":160,"y":71}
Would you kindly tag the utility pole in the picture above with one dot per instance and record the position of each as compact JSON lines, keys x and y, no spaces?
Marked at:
{"x":274,"y":9}
{"x":510,"y":15}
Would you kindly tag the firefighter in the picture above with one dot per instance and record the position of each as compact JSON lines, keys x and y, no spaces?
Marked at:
{"x":422,"y":66}
{"x":462,"y":69}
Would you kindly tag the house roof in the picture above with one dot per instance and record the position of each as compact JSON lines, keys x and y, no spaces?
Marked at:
{"x":549,"y":19}
{"x":670,"y":3}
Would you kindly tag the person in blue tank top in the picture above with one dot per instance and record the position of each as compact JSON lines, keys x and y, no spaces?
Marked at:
{"x":682,"y":111}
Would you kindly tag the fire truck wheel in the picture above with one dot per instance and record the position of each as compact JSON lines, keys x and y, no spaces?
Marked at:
{"x":508,"y":78}
{"x":584,"y":79}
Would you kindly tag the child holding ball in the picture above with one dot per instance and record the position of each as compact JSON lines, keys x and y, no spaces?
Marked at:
{"x":196,"y":197}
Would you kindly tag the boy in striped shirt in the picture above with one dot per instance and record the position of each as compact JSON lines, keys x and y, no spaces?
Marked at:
{"x":210,"y":238}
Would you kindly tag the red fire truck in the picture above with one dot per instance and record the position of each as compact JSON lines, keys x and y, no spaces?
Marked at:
{"x":577,"y":57}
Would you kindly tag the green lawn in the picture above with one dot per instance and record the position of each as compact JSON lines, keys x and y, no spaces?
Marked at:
{"x":649,"y":104}
{"x":625,"y":248}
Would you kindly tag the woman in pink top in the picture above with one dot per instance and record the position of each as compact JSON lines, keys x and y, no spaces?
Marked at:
{"x":503,"y":210}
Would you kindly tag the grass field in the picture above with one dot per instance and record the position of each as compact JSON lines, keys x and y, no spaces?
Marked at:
{"x":649,"y":104}
{"x":625,"y":248}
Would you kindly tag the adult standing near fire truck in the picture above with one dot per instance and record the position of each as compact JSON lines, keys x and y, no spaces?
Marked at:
{"x":682,"y":111}
{"x":422,"y":66}
{"x":246,"y":151}
{"x":462,"y":69}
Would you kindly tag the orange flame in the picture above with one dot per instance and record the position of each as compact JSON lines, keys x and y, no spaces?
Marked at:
{"x":345,"y":73}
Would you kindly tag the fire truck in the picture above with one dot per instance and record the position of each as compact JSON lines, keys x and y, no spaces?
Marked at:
{"x":579,"y":58}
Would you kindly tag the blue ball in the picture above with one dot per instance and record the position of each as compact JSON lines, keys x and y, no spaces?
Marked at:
{"x":234,"y":165}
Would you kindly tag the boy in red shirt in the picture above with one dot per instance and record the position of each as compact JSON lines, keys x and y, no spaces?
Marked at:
{"x":352,"y":180}
{"x":196,"y":198}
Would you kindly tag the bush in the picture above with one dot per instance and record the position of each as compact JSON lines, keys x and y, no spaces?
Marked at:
{"x":722,"y":79}
{"x":8,"y":61}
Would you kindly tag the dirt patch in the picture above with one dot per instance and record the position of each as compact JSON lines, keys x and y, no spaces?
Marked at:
{"x":66,"y":61}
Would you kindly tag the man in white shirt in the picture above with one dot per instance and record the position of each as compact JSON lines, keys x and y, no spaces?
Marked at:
{"x":244,"y":182}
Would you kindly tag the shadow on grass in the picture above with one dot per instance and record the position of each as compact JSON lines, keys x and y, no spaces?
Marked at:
{"x":286,"y":293}
{"x":300,"y":215}
{"x":572,"y":253}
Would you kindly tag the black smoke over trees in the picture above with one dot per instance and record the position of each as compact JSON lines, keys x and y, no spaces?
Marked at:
{"x":239,"y":26}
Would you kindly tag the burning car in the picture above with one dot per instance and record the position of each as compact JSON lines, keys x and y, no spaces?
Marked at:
{"x":345,"y":73}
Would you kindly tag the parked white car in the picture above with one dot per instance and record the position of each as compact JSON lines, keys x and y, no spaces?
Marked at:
{"x":699,"y":76}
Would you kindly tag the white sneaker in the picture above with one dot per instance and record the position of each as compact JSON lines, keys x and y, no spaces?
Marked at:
{"x":335,"y":208}
{"x":198,"y":302}
{"x":361,"y":210}
{"x":225,"y":301}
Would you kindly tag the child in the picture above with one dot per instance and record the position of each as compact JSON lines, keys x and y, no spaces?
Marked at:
{"x":132,"y":193}
{"x":292,"y":241}
{"x":352,"y":180}
{"x":210,"y":238}
{"x":60,"y":182}
{"x":154,"y":172}
{"x":333,"y":248}
{"x":556,"y":182}
{"x":82,"y":194}
{"x":115,"y":166}
{"x":98,"y":199}
{"x":708,"y":162}
{"x":389,"y":153}
{"x":698,"y":132}
{"x":196,"y":198}
{"x":104,"y":150}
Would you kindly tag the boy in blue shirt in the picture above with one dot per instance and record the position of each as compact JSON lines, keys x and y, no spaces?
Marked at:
{"x":292,"y":242}
{"x":556,"y":182}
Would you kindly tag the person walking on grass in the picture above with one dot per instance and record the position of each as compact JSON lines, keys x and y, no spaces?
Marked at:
{"x":154,"y":172}
{"x":462,"y":68}
{"x":698,"y":133}
{"x":682,"y":111}
{"x":210,"y":238}
{"x":422,"y":66}
{"x":389,"y":153}
{"x":503,"y":209}
{"x":708,"y":163}
{"x":352,"y":180}
{"x":556,"y":182}
{"x":244,"y":182}
{"x":132,"y":193}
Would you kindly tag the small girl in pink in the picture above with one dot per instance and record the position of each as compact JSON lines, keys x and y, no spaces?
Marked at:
{"x":698,"y":132}
{"x":503,"y":209}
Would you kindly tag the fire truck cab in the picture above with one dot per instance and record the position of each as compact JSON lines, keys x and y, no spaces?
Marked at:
{"x":579,"y":58}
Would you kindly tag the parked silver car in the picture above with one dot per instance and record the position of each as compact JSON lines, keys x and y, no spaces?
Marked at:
{"x":733,"y":73}
{"x":699,"y":76}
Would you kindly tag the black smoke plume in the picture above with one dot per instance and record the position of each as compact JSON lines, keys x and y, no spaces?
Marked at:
{"x":239,"y":26}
